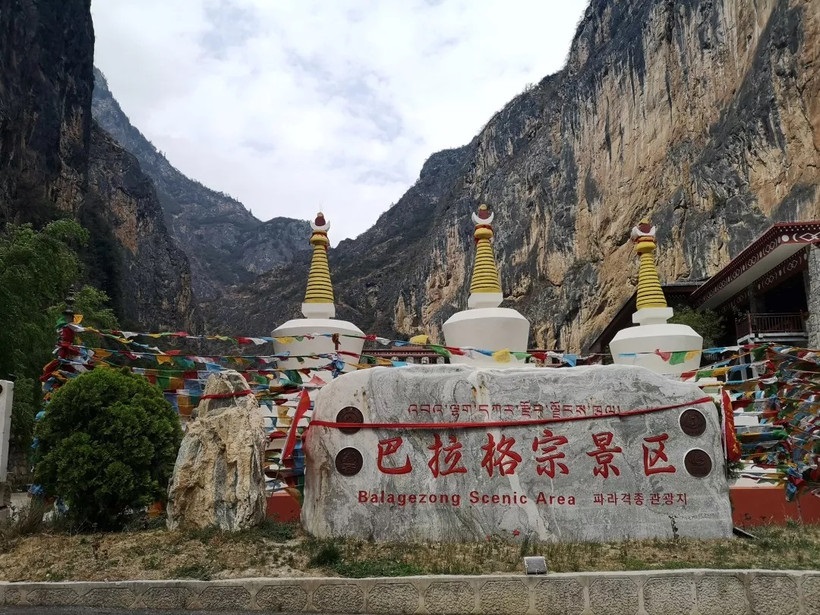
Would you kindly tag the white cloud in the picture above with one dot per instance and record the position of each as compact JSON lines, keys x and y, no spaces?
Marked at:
{"x":291,"y":106}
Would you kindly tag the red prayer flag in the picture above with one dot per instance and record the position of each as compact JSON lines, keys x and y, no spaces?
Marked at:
{"x":301,"y":409}
{"x":730,"y":437}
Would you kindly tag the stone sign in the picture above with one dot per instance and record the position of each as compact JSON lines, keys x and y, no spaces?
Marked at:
{"x":453,"y":453}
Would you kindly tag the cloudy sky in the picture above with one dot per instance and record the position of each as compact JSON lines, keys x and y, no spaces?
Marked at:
{"x":292,"y":106}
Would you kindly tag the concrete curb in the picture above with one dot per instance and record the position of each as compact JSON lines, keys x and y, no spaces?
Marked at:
{"x":666,"y":592}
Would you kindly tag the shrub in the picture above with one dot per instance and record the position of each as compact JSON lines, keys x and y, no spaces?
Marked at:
{"x":107,"y":444}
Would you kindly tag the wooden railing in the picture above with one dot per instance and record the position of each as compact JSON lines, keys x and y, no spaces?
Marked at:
{"x":748,"y":324}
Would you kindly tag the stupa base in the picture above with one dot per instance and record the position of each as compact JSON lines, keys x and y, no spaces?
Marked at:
{"x":488,"y":329}
{"x":667,"y":349}
{"x":322,"y":344}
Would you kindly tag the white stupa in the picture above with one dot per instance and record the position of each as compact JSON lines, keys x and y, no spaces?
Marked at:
{"x":484,"y":325}
{"x":669,"y":349}
{"x":319,"y":311}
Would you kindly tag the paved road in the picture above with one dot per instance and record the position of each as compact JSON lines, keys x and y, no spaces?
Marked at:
{"x":71,"y":610}
{"x":78,"y":610}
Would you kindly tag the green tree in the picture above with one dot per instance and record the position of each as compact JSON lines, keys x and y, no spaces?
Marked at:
{"x":707,"y":323}
{"x":36,"y":270}
{"x":93,"y":304}
{"x":107,"y":444}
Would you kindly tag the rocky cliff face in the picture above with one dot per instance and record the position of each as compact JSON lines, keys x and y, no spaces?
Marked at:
{"x":54,"y":161}
{"x":702,"y":114}
{"x":152,"y":277}
{"x":223,"y":241}
{"x":46,"y":53}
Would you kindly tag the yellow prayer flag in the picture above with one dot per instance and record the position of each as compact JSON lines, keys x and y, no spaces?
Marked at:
{"x":503,"y":356}
{"x":78,"y":318}
{"x":163,"y":358}
{"x":285,"y":340}
{"x":419,"y":339}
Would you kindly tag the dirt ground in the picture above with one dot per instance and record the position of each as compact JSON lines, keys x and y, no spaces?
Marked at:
{"x":46,"y":553}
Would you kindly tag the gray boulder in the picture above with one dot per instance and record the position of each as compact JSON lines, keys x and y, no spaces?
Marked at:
{"x":218,"y":478}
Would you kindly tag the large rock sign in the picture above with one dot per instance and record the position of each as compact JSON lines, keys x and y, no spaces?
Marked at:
{"x":218,"y":478}
{"x":458,"y":453}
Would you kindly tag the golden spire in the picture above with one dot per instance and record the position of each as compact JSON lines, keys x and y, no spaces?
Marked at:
{"x":319,"y":288}
{"x":650,"y":294}
{"x":485,"y":272}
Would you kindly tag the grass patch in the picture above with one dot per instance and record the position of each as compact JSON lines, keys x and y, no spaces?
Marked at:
{"x":203,"y":534}
{"x":39,"y":551}
{"x":326,"y":555}
{"x":192,"y":571}
{"x":377,"y":568}
{"x":277,"y":532}
{"x":268,"y":530}
{"x":357,"y":559}
{"x":29,"y":521}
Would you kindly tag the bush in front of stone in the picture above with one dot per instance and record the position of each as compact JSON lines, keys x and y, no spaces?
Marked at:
{"x":106,"y":445}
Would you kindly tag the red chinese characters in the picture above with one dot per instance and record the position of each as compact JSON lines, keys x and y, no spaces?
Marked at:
{"x":451,"y":454}
{"x":500,"y":456}
{"x":653,"y":456}
{"x":448,"y":456}
{"x":604,"y":454}
{"x":548,"y":460}
{"x":388,"y":447}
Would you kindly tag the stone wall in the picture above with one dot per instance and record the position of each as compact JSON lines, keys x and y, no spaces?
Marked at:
{"x":813,"y":297}
{"x":671,"y":592}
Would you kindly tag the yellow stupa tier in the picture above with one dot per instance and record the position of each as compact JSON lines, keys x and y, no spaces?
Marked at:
{"x":319,"y":287}
{"x":318,"y":334}
{"x":485,"y":272}
{"x":650,"y":294}
{"x":669,"y":349}
{"x":484,"y":325}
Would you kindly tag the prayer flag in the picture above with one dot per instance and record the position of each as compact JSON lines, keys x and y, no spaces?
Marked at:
{"x":729,"y":435}
{"x":301,"y":409}
{"x":502,"y":356}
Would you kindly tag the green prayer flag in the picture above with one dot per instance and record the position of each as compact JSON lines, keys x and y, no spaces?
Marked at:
{"x":678,"y":357}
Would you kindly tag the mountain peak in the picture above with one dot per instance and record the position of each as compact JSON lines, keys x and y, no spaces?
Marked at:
{"x":225,"y":243}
